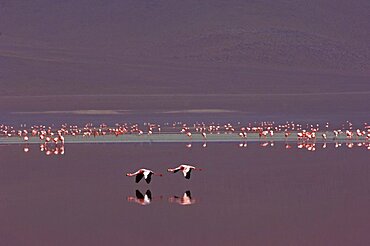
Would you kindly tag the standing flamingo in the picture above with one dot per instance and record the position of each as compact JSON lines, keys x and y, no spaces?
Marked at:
{"x":146,"y":173}
{"x":186,"y":170}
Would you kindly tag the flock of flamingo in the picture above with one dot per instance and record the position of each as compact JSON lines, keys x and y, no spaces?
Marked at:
{"x":307,"y":136}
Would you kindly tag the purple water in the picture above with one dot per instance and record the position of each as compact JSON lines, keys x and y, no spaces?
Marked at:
{"x":243,"y":196}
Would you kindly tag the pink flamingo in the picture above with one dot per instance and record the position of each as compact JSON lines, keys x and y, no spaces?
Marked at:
{"x":186,"y":170}
{"x":143,"y":173}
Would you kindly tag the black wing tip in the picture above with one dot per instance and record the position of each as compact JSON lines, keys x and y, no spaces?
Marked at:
{"x":187,"y":176}
{"x":148,"y":179}
{"x":138,"y":178}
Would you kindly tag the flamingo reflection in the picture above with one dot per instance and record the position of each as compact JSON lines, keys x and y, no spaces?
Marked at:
{"x":26,"y":149}
{"x":52,"y":150}
{"x":142,"y":199}
{"x":186,"y":199}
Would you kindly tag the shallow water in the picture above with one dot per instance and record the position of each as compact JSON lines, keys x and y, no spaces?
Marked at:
{"x":244,"y":196}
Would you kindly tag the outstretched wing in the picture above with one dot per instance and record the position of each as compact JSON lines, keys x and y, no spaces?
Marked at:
{"x":148,"y":178}
{"x":187,"y":174}
{"x":139,"y":177}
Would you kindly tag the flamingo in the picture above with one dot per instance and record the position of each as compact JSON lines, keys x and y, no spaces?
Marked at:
{"x":146,"y":173}
{"x":55,"y":140}
{"x":61,"y":138}
{"x":336,"y":133}
{"x":358,"y":133}
{"x":349,"y":134}
{"x":186,"y":170}
{"x":263,"y":134}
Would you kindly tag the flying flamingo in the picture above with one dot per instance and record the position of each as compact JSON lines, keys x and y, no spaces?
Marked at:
{"x":146,"y":173}
{"x":186,"y":170}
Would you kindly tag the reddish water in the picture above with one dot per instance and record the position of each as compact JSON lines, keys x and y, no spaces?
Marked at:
{"x":244,"y":196}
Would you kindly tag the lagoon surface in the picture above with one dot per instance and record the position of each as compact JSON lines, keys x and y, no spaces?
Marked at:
{"x":243,"y":196}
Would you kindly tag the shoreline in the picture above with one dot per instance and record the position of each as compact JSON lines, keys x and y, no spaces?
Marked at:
{"x":182,"y":138}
